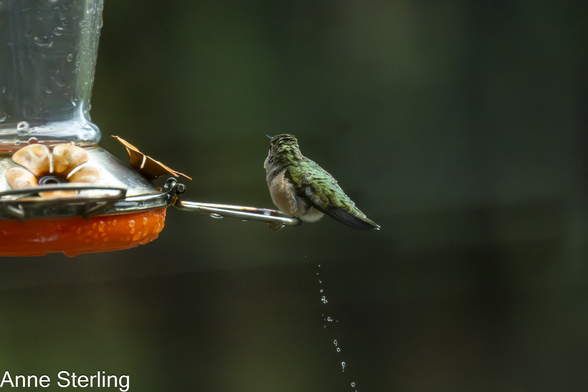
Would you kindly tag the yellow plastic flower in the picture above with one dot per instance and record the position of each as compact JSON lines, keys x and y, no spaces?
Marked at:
{"x":40,"y":167}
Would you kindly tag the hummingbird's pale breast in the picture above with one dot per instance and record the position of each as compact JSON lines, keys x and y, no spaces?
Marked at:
{"x":283,"y":194}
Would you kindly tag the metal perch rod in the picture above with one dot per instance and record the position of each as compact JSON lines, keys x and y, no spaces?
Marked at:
{"x":267,"y":215}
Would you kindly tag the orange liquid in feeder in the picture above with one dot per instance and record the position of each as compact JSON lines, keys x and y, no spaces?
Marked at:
{"x":74,"y":236}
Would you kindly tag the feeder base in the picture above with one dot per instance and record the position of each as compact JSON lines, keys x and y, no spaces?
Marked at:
{"x":74,"y":236}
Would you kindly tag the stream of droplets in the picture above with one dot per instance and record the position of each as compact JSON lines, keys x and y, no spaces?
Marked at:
{"x":329,"y":319}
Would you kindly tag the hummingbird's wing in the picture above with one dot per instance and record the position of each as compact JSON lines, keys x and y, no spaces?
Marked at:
{"x":318,"y":188}
{"x":356,"y":218}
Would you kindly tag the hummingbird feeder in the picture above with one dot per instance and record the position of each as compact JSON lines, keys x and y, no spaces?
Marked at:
{"x":60,"y":191}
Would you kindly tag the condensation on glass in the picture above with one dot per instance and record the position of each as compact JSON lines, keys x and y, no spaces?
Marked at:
{"x":48,"y":51}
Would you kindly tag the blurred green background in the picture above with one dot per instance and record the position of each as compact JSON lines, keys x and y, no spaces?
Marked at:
{"x":459,"y":126}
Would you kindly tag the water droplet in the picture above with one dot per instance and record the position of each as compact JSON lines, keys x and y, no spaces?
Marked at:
{"x":41,"y":40}
{"x":335,"y":342}
{"x":216,"y":216}
{"x":32,"y":140}
{"x":320,"y":281}
{"x":58,"y":81}
{"x":69,"y":58}
{"x":324,"y":300}
{"x":338,"y":349}
{"x":17,"y":142}
{"x":2,"y":116}
{"x":321,"y":290}
{"x":22,"y":128}
{"x":343,"y":364}
{"x":276,"y":226}
{"x":352,"y":384}
{"x":58,"y":31}
{"x":329,"y":319}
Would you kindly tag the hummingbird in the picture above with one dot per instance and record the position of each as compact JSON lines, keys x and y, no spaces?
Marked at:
{"x":299,"y":187}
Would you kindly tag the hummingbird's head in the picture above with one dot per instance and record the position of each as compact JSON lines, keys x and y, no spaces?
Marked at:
{"x":284,"y":145}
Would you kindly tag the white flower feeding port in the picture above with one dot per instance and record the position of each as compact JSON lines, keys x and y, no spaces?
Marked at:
{"x":60,"y":191}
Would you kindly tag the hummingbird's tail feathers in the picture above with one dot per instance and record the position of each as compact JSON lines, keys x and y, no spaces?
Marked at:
{"x":357,"y":222}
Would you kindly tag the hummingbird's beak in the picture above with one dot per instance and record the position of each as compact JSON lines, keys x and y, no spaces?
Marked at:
{"x":269,"y":137}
